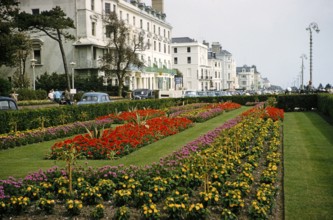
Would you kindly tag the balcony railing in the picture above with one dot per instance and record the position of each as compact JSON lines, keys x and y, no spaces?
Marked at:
{"x":159,"y":70}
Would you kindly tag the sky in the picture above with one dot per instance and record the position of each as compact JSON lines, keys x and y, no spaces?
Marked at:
{"x":270,"y":34}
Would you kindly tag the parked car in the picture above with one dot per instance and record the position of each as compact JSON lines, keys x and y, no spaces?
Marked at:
{"x":94,"y":98}
{"x":7,"y":103}
{"x":190,"y":94}
{"x":143,"y":94}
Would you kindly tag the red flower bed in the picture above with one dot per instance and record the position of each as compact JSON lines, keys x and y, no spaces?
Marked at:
{"x":225,"y":106}
{"x":131,"y":116}
{"x":123,"y":139}
{"x":267,"y":112}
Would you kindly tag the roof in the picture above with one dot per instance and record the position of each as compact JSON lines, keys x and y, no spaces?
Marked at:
{"x":182,"y":40}
{"x":247,"y":69}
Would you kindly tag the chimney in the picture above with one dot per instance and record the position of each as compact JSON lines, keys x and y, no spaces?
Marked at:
{"x":158,"y":5}
{"x":216,"y":47}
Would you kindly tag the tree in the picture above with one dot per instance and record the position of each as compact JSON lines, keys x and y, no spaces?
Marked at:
{"x":320,"y":87}
{"x":122,"y":50}
{"x":328,"y":86}
{"x":11,"y":41}
{"x":54,"y":24}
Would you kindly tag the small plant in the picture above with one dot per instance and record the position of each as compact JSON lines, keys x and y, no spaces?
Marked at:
{"x":97,"y":212}
{"x":18,"y":204}
{"x":122,"y":213}
{"x":46,"y":205}
{"x":150,"y":211}
{"x":73,"y":207}
{"x":227,"y":214}
{"x":197,"y":211}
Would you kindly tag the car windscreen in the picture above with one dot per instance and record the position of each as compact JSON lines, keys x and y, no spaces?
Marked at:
{"x":89,"y":98}
{"x":140,"y":92}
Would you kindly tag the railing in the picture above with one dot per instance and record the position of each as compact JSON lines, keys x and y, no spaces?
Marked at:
{"x":159,"y":70}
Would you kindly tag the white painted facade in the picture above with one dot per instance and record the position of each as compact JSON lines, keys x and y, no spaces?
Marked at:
{"x":249,"y":78}
{"x":91,"y":39}
{"x":190,"y":58}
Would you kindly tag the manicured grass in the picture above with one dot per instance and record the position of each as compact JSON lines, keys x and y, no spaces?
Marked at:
{"x":308,"y":162}
{"x":20,"y":161}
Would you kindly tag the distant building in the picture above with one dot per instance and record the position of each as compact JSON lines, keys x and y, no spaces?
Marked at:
{"x":190,"y":58}
{"x":203,"y":68}
{"x":91,"y":40}
{"x":249,"y":78}
{"x":228,"y":67}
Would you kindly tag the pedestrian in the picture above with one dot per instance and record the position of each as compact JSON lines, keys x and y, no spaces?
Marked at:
{"x":14,"y":95}
{"x":51,"y":95}
{"x":67,"y":96}
{"x":57,"y":96}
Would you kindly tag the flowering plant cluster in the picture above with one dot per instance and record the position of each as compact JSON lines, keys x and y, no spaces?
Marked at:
{"x":130,"y":116}
{"x":20,"y":138}
{"x":123,"y":139}
{"x":205,"y":112}
{"x":209,"y":178}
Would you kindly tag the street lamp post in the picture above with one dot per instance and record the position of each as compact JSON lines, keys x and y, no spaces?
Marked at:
{"x":72,"y":64}
{"x":303,"y":56}
{"x":33,"y":63}
{"x":312,"y":27}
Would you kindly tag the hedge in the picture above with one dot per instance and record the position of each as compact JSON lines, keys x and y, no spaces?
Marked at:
{"x":26,"y":119}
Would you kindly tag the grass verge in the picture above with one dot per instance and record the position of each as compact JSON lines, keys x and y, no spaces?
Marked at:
{"x":308,"y":162}
{"x":18,"y":162}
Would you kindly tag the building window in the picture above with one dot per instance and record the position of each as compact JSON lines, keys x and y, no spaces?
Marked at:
{"x":175,"y":49}
{"x":37,"y":55}
{"x":188,"y":49}
{"x":134,"y":20}
{"x":159,"y":46}
{"x":35,"y":11}
{"x":114,"y":8}
{"x":159,"y":31}
{"x":108,"y":31}
{"x":148,"y":28}
{"x":92,"y":5}
{"x":175,"y":60}
{"x":141,"y":24}
{"x":155,"y":45}
{"x":127,"y":17}
{"x":121,"y":15}
{"x":107,"y":8}
{"x":148,"y":44}
{"x":188,"y":59}
{"x":163,"y":32}
{"x":165,"y":48}
{"x":154,"y":28}
{"x":93,"y":28}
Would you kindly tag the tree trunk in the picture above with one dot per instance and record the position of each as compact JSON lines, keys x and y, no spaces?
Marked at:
{"x":120,"y":87}
{"x":64,"y":60}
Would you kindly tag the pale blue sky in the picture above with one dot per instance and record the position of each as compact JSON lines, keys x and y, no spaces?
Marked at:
{"x":267,"y":33}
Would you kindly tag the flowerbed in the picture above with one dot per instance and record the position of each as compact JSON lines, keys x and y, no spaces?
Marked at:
{"x":20,"y":138}
{"x":229,"y":173}
{"x":205,"y":112}
{"x":131,"y":116}
{"x":121,"y":140}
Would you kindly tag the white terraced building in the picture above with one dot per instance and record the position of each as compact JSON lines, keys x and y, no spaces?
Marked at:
{"x":91,"y":40}
{"x":204,"y":68}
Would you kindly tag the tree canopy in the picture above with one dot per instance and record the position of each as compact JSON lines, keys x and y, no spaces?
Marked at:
{"x":122,"y":50}
{"x":54,"y":23}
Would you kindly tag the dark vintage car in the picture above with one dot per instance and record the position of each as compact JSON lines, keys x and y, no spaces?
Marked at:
{"x":143,"y":94}
{"x":7,"y":103}
{"x":94,"y":98}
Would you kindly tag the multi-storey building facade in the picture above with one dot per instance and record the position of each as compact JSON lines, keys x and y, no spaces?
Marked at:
{"x":91,"y":39}
{"x":228,"y":67}
{"x":190,"y":58}
{"x":204,"y":68}
{"x":249,"y":78}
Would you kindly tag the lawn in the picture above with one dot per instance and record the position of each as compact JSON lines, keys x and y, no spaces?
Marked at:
{"x":308,"y":163}
{"x":20,"y":161}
